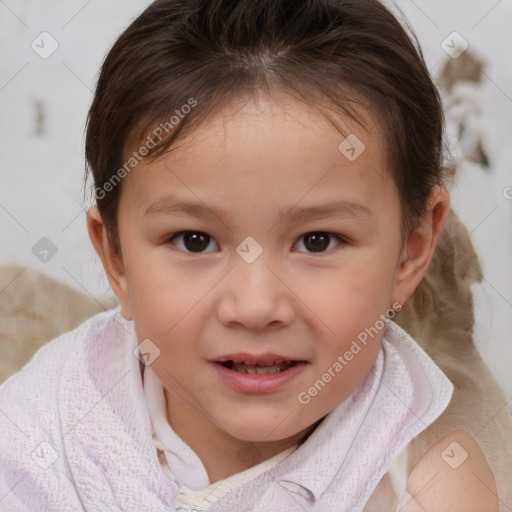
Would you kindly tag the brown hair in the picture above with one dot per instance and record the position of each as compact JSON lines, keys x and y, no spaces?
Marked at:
{"x":203,"y":54}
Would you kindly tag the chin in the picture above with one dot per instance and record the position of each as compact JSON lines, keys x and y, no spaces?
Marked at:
{"x":258,"y":431}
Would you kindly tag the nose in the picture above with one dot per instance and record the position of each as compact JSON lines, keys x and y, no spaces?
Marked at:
{"x":256,"y":297}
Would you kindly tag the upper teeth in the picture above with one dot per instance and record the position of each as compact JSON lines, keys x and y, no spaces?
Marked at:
{"x":261,"y":364}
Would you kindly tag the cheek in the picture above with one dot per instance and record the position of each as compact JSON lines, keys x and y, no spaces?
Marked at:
{"x":354,"y":293}
{"x":350,"y":305}
{"x":155,"y":285}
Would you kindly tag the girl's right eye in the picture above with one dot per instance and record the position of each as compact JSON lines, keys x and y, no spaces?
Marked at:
{"x":193,"y":241}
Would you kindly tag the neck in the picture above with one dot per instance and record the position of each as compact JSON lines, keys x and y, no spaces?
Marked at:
{"x":222,"y":454}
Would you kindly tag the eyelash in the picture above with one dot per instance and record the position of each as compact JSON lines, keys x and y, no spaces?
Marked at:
{"x":341,"y":239}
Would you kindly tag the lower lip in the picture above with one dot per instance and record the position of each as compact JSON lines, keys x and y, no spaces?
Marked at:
{"x":258,"y":382}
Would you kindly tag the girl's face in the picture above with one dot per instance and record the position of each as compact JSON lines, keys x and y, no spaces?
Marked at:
{"x":266,"y":236}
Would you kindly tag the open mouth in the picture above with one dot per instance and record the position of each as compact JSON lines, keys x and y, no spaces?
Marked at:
{"x":277,"y":367}
{"x":258,"y":373}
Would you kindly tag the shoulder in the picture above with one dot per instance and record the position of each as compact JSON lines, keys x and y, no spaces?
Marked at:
{"x":30,"y":400}
{"x":453,"y":475}
{"x":33,"y":402}
{"x":34,"y":387}
{"x":59,"y":353}
{"x":32,"y":391}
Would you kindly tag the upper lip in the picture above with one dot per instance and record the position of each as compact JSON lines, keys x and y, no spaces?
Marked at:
{"x":243,"y":357}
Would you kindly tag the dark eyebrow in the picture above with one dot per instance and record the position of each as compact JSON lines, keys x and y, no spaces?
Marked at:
{"x":336,"y":209}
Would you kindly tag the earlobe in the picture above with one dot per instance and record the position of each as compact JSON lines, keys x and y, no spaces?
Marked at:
{"x":420,"y":245}
{"x":112,"y":262}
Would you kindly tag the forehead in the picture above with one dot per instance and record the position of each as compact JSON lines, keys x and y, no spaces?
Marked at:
{"x":267,"y":152}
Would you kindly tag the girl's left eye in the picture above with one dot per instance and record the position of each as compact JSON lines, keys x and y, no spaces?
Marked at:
{"x":319,"y":241}
{"x":197,"y":241}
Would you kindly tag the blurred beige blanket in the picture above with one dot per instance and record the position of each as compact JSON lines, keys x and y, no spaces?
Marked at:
{"x":34,"y":309}
{"x":439,"y":316}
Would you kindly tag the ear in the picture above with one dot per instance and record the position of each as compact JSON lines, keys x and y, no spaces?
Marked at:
{"x":112,"y":262}
{"x":420,"y":245}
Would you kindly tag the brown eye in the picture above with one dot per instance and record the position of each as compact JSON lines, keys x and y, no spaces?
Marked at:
{"x":318,"y":241}
{"x":192,"y":241}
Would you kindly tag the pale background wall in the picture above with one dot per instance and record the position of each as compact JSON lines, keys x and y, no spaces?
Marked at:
{"x":43,"y":106}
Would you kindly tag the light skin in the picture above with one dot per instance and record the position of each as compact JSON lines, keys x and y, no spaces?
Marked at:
{"x":258,"y":161}
{"x":436,"y":486}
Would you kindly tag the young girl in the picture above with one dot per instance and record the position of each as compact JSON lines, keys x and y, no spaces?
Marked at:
{"x":270,"y":192}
